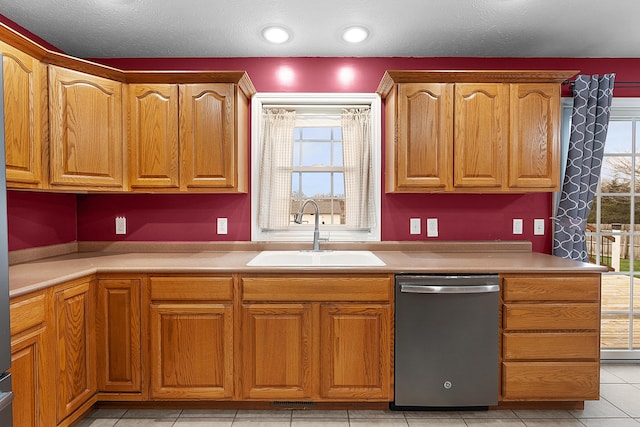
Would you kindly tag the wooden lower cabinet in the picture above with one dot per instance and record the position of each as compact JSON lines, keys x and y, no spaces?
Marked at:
{"x":191,"y":338}
{"x":550,"y":337}
{"x":277,"y":343}
{"x":118,"y":319}
{"x":354,"y":359}
{"x":31,"y":370}
{"x":298,"y":344}
{"x":75,"y":346}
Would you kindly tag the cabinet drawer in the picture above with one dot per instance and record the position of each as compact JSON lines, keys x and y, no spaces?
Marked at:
{"x":192,"y":288}
{"x":545,"y":346}
{"x":553,"y":288}
{"x":551,"y":316}
{"x":317,"y":288}
{"x":27,"y":312}
{"x":550,"y":380}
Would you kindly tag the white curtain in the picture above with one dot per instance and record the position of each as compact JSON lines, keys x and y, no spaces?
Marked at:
{"x":358,"y":173}
{"x":275,"y":173}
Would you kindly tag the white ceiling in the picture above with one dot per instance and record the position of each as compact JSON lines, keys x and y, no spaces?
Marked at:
{"x":231,"y":28}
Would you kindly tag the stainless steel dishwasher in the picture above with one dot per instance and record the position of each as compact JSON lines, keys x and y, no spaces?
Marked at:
{"x":446,"y":341}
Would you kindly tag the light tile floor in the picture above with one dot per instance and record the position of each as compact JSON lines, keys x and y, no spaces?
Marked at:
{"x":619,"y":406}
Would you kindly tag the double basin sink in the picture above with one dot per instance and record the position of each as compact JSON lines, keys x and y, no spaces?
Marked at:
{"x":315,"y":259}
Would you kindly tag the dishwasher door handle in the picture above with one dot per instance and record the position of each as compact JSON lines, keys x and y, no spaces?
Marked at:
{"x":433,"y":289}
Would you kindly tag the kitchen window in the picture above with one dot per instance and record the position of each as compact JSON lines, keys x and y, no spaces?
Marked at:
{"x":324,"y":147}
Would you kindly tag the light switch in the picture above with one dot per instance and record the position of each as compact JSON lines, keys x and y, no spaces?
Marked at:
{"x":517,"y":226}
{"x":121,"y":225}
{"x":538,"y":227}
{"x":414,"y":226}
{"x":222,"y":225}
{"x":432,"y":227}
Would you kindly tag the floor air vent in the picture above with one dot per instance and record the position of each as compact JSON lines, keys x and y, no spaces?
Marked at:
{"x":292,"y":404}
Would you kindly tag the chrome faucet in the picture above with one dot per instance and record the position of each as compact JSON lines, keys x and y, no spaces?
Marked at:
{"x":297,"y":218}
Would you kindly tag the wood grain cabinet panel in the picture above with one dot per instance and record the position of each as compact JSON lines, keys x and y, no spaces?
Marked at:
{"x":472,"y":131}
{"x":75,"y":347}
{"x":25,"y":117}
{"x":551,"y":381}
{"x":550,"y":337}
{"x":207,"y":137}
{"x":354,"y":361}
{"x":192,"y":337}
{"x":551,"y":316}
{"x":480,"y":135}
{"x":31,"y":361}
{"x":277,"y":351}
{"x":534,"y":136}
{"x":86,"y":131}
{"x":118,"y":320}
{"x":424,"y":136}
{"x":154,"y":161}
{"x":317,"y":337}
{"x":191,"y":351}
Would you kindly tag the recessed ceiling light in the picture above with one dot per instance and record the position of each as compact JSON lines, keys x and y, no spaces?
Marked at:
{"x":355,"y":34}
{"x":276,"y":34}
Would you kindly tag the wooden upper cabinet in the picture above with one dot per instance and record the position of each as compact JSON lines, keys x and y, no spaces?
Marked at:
{"x":481,"y":126}
{"x":86,"y":131}
{"x":154,"y":161}
{"x":25,"y":117}
{"x":472,"y":131}
{"x":187,"y":137}
{"x":425,"y":136}
{"x":210,"y":156}
{"x":535,"y":136}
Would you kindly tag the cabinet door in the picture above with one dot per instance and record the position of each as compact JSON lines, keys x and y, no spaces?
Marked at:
{"x":86,"y":130}
{"x":32,"y":375}
{"x":355,"y":351}
{"x":424,"y":136}
{"x":276,"y":351}
{"x":25,"y":115}
{"x":153,"y":136}
{"x":534,"y":137}
{"x":118,"y":335}
{"x":75,"y":339}
{"x":207,"y":137}
{"x":480,"y":135}
{"x":191,"y":351}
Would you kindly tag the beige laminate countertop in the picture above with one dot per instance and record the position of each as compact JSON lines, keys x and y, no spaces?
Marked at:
{"x":29,"y":276}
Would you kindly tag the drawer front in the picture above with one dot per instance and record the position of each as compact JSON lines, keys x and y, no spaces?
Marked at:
{"x":545,"y":346}
{"x":551,"y":316}
{"x":317,"y":288}
{"x":540,"y":381}
{"x":552,"y":288}
{"x":27,"y":313}
{"x":210,"y":288}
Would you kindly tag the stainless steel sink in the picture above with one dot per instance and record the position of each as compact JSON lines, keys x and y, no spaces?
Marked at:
{"x":315,"y":258}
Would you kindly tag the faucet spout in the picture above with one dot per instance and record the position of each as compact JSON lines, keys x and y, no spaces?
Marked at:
{"x":316,"y":230}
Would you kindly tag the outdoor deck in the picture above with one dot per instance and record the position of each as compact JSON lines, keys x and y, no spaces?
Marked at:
{"x":615,"y":296}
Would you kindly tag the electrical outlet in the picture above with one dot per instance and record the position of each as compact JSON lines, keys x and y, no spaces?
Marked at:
{"x":222,"y":225}
{"x":517,"y":226}
{"x":121,"y":225}
{"x":432,"y":227}
{"x":538,"y":227}
{"x":414,"y":226}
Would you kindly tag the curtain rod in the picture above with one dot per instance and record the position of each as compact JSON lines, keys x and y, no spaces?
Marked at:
{"x":617,"y":83}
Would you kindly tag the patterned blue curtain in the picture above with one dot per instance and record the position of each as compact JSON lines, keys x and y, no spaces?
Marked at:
{"x":589,"y":122}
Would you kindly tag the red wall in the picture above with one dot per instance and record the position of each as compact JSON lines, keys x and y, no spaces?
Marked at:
{"x":40,"y":219}
{"x":461,"y":217}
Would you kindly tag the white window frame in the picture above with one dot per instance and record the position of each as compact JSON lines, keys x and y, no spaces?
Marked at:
{"x":303,"y":232}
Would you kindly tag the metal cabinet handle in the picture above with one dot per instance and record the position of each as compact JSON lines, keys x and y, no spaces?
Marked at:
{"x":431,"y":289}
{"x":5,"y":400}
